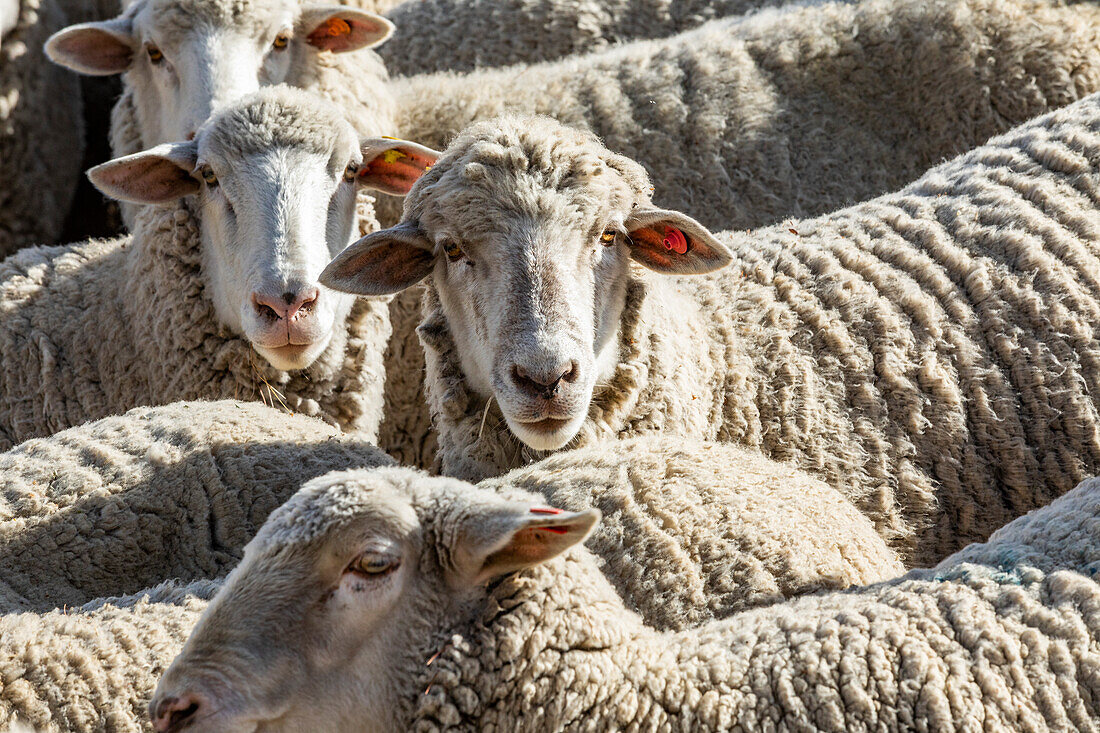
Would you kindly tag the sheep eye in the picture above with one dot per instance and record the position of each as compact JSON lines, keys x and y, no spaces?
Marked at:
{"x":351,"y":173}
{"x":373,"y":563}
{"x":155,"y":54}
{"x":452,"y":250}
{"x":281,"y":41}
{"x":608,"y":236}
{"x":209,"y":177}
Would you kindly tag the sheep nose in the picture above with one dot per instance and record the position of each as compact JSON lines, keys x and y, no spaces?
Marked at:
{"x":544,"y":383}
{"x":285,"y":306}
{"x":176,"y":713}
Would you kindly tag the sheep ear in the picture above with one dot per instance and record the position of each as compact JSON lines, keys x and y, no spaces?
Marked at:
{"x":382,"y":263}
{"x":95,"y":49}
{"x":155,"y":176}
{"x":673,"y":243}
{"x":392,"y":166}
{"x":504,"y":540}
{"x":341,"y":29}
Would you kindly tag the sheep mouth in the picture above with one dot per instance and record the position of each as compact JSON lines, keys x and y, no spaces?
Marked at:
{"x":547,"y":426}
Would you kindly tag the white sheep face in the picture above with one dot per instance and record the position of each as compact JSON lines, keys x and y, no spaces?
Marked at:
{"x":344,"y":595}
{"x":276,"y":178}
{"x":186,"y":59}
{"x":530,"y":228}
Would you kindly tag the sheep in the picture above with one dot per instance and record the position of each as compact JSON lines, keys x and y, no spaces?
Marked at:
{"x":931,"y":354}
{"x":483,"y":33}
{"x":711,"y":544}
{"x":796,"y":112}
{"x":124,"y":502}
{"x":41,"y":128}
{"x":197,"y":304}
{"x":420,"y":606}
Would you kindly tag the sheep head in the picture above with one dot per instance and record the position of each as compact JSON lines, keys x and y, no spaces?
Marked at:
{"x":275,"y":177}
{"x":527,"y":229}
{"x":186,"y":59}
{"x":342,"y":598}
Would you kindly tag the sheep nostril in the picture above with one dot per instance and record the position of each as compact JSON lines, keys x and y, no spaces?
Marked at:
{"x":175,"y":713}
{"x":537,"y":387}
{"x":574,"y":372}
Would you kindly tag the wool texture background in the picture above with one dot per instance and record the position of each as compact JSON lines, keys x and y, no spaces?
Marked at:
{"x":121,"y":504}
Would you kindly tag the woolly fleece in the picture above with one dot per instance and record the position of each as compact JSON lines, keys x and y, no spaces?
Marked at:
{"x":798,"y":111}
{"x":41,"y":131}
{"x":92,"y":329}
{"x":966,"y":648}
{"x":694,"y":532}
{"x":93,"y":669}
{"x":485,"y":33}
{"x":930,"y":354}
{"x":122,"y":503}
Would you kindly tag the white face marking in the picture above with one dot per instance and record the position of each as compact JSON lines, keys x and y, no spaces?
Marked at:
{"x":184,"y":73}
{"x":270,"y":225}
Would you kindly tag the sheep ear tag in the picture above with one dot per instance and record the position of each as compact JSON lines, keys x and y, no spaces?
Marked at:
{"x":672,"y":243}
{"x":393,"y":166}
{"x":341,"y":29}
{"x":521,"y":539}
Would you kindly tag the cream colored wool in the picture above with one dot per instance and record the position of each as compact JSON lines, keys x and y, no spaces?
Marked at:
{"x":967,"y":648}
{"x":93,"y":669}
{"x":481,"y":33}
{"x":41,"y":131}
{"x":92,"y":329}
{"x":796,"y":112}
{"x":125,"y":502}
{"x":697,"y":531}
{"x":931,"y":354}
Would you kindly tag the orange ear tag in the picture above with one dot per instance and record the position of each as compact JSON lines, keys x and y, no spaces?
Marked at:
{"x":675,"y":240}
{"x":545,"y":510}
{"x":331,"y":28}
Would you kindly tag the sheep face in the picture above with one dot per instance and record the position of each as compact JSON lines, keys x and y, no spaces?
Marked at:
{"x":527,"y":229}
{"x":276,"y":179}
{"x":185,"y":60}
{"x":342,"y":598}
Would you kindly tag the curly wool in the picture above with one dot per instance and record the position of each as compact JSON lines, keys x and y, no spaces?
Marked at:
{"x":697,"y":531}
{"x":931,"y":354}
{"x":482,"y":33}
{"x":41,"y":131}
{"x":95,"y":328}
{"x":743,"y":122}
{"x":122,"y":503}
{"x":93,"y":669}
{"x":968,"y":647}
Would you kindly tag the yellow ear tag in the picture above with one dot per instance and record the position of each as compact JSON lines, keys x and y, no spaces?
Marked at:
{"x":392,"y":156}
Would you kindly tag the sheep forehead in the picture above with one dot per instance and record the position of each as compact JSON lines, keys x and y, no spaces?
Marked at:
{"x":276,"y":117}
{"x":175,"y":18}
{"x":529,"y":168}
{"x":401,"y":499}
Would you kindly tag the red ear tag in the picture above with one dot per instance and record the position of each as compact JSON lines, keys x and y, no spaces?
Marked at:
{"x":675,"y":240}
{"x":555,"y":530}
{"x":545,"y":510}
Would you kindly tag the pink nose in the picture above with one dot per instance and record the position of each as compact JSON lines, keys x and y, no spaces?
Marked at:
{"x":176,"y":713}
{"x":285,"y":306}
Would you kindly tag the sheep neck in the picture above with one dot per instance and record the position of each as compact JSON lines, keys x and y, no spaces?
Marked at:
{"x":167,"y":308}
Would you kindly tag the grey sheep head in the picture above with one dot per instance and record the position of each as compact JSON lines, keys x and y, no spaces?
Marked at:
{"x":186,"y":59}
{"x":527,"y":229}
{"x":275,"y":178}
{"x":343,"y":596}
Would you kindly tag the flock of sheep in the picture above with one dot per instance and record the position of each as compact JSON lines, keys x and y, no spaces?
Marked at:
{"x":663,"y":365}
